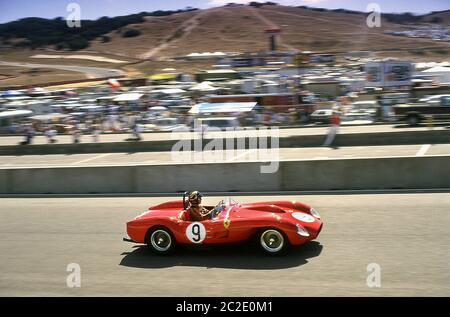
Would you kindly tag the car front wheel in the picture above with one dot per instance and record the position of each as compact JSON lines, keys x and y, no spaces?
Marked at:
{"x":160,"y":241}
{"x":272,"y":241}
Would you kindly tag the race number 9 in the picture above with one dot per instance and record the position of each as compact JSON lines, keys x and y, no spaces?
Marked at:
{"x":196,"y":232}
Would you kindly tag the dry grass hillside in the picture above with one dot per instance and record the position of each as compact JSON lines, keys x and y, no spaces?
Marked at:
{"x":444,"y":16}
{"x":242,"y":29}
{"x":155,"y":31}
{"x":231,"y":29}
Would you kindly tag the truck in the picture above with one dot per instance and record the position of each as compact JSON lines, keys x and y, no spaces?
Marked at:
{"x":303,"y":102}
{"x":438,"y":108}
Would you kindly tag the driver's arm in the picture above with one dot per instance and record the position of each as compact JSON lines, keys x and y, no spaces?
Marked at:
{"x":206,"y":213}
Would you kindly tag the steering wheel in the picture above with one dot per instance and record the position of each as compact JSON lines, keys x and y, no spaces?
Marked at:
{"x":217,"y":209}
{"x":214,"y":212}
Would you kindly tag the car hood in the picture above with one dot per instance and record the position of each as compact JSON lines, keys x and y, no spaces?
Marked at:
{"x":278,"y":206}
{"x":265,"y":208}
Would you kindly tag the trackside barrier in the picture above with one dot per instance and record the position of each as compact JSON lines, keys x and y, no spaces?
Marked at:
{"x":426,"y":172}
{"x":349,"y":139}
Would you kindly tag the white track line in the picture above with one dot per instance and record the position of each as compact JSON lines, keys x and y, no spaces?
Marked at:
{"x":92,"y":158}
{"x":241,"y":155}
{"x":423,"y":150}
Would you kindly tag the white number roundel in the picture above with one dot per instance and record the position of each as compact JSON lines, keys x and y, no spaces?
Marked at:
{"x":196,"y":232}
{"x":303,"y":217}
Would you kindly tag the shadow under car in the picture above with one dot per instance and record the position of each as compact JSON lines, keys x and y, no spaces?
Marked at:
{"x":241,"y":256}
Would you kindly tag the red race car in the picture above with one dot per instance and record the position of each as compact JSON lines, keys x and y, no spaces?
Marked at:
{"x":275,"y":224}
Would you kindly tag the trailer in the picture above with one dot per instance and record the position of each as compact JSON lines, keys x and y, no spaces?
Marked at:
{"x":279,"y":102}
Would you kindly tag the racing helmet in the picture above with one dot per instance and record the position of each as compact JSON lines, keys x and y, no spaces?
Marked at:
{"x":195,"y":197}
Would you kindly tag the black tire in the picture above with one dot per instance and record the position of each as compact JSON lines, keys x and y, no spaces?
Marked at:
{"x":272,"y":241}
{"x":160,"y":240}
{"x":413,"y":120}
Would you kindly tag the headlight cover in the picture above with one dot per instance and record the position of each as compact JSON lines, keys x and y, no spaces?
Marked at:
{"x":302,"y":231}
{"x":314,"y":213}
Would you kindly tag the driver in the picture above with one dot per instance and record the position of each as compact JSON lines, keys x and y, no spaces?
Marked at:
{"x":196,"y":211}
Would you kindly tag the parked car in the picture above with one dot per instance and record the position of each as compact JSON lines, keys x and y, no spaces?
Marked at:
{"x":415,"y":113}
{"x":167,"y":124}
{"x":434,"y":99}
{"x":321,"y":116}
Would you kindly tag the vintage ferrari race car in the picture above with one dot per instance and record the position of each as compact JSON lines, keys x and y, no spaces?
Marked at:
{"x":275,"y":225}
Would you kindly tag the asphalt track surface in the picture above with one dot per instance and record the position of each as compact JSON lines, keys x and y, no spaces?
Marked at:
{"x":150,"y":158}
{"x":319,"y":130}
{"x":406,"y":234}
{"x":91,"y":72}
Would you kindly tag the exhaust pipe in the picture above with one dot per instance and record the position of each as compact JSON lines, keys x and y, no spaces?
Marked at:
{"x":128,"y":240}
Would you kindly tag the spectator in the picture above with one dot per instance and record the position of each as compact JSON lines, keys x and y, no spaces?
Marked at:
{"x":292,"y":116}
{"x":95,"y":133}
{"x":137,"y":131}
{"x":76,"y":135}
{"x":334,"y":128}
{"x":259,"y":119}
{"x":267,"y":118}
{"x":112,"y":121}
{"x":276,"y":118}
{"x":29,"y":134}
{"x":242,"y":119}
{"x":14,"y":128}
{"x":50,"y":133}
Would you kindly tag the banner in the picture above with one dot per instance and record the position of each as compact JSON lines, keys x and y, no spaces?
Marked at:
{"x":388,"y":73}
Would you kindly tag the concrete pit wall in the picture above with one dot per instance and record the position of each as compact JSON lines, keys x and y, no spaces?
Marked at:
{"x":427,"y":172}
{"x":349,"y":139}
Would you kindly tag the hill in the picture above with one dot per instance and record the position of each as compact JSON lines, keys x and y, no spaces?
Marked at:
{"x":242,"y":29}
{"x":146,"y":42}
{"x":38,"y":32}
{"x":442,"y":17}
{"x":163,"y":34}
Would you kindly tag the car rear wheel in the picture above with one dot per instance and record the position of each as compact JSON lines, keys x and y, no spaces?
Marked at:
{"x":272,"y":241}
{"x":160,"y":240}
{"x":413,"y":120}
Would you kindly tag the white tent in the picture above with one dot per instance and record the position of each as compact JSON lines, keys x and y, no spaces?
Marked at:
{"x":11,"y":93}
{"x":128,"y":97}
{"x":224,"y":107}
{"x":204,"y":86}
{"x":158,"y":108}
{"x":440,"y":72}
{"x":170,"y":91}
{"x":206,"y":55}
{"x":436,"y":69}
{"x":50,"y":116}
{"x":424,"y":65}
{"x":15,"y":114}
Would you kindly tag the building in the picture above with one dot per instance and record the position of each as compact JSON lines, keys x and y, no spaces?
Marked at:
{"x":279,"y":102}
{"x":330,"y":88}
{"x":205,"y":55}
{"x":216,"y":75}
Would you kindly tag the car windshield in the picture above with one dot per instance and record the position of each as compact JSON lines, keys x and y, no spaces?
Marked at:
{"x":223,"y":205}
